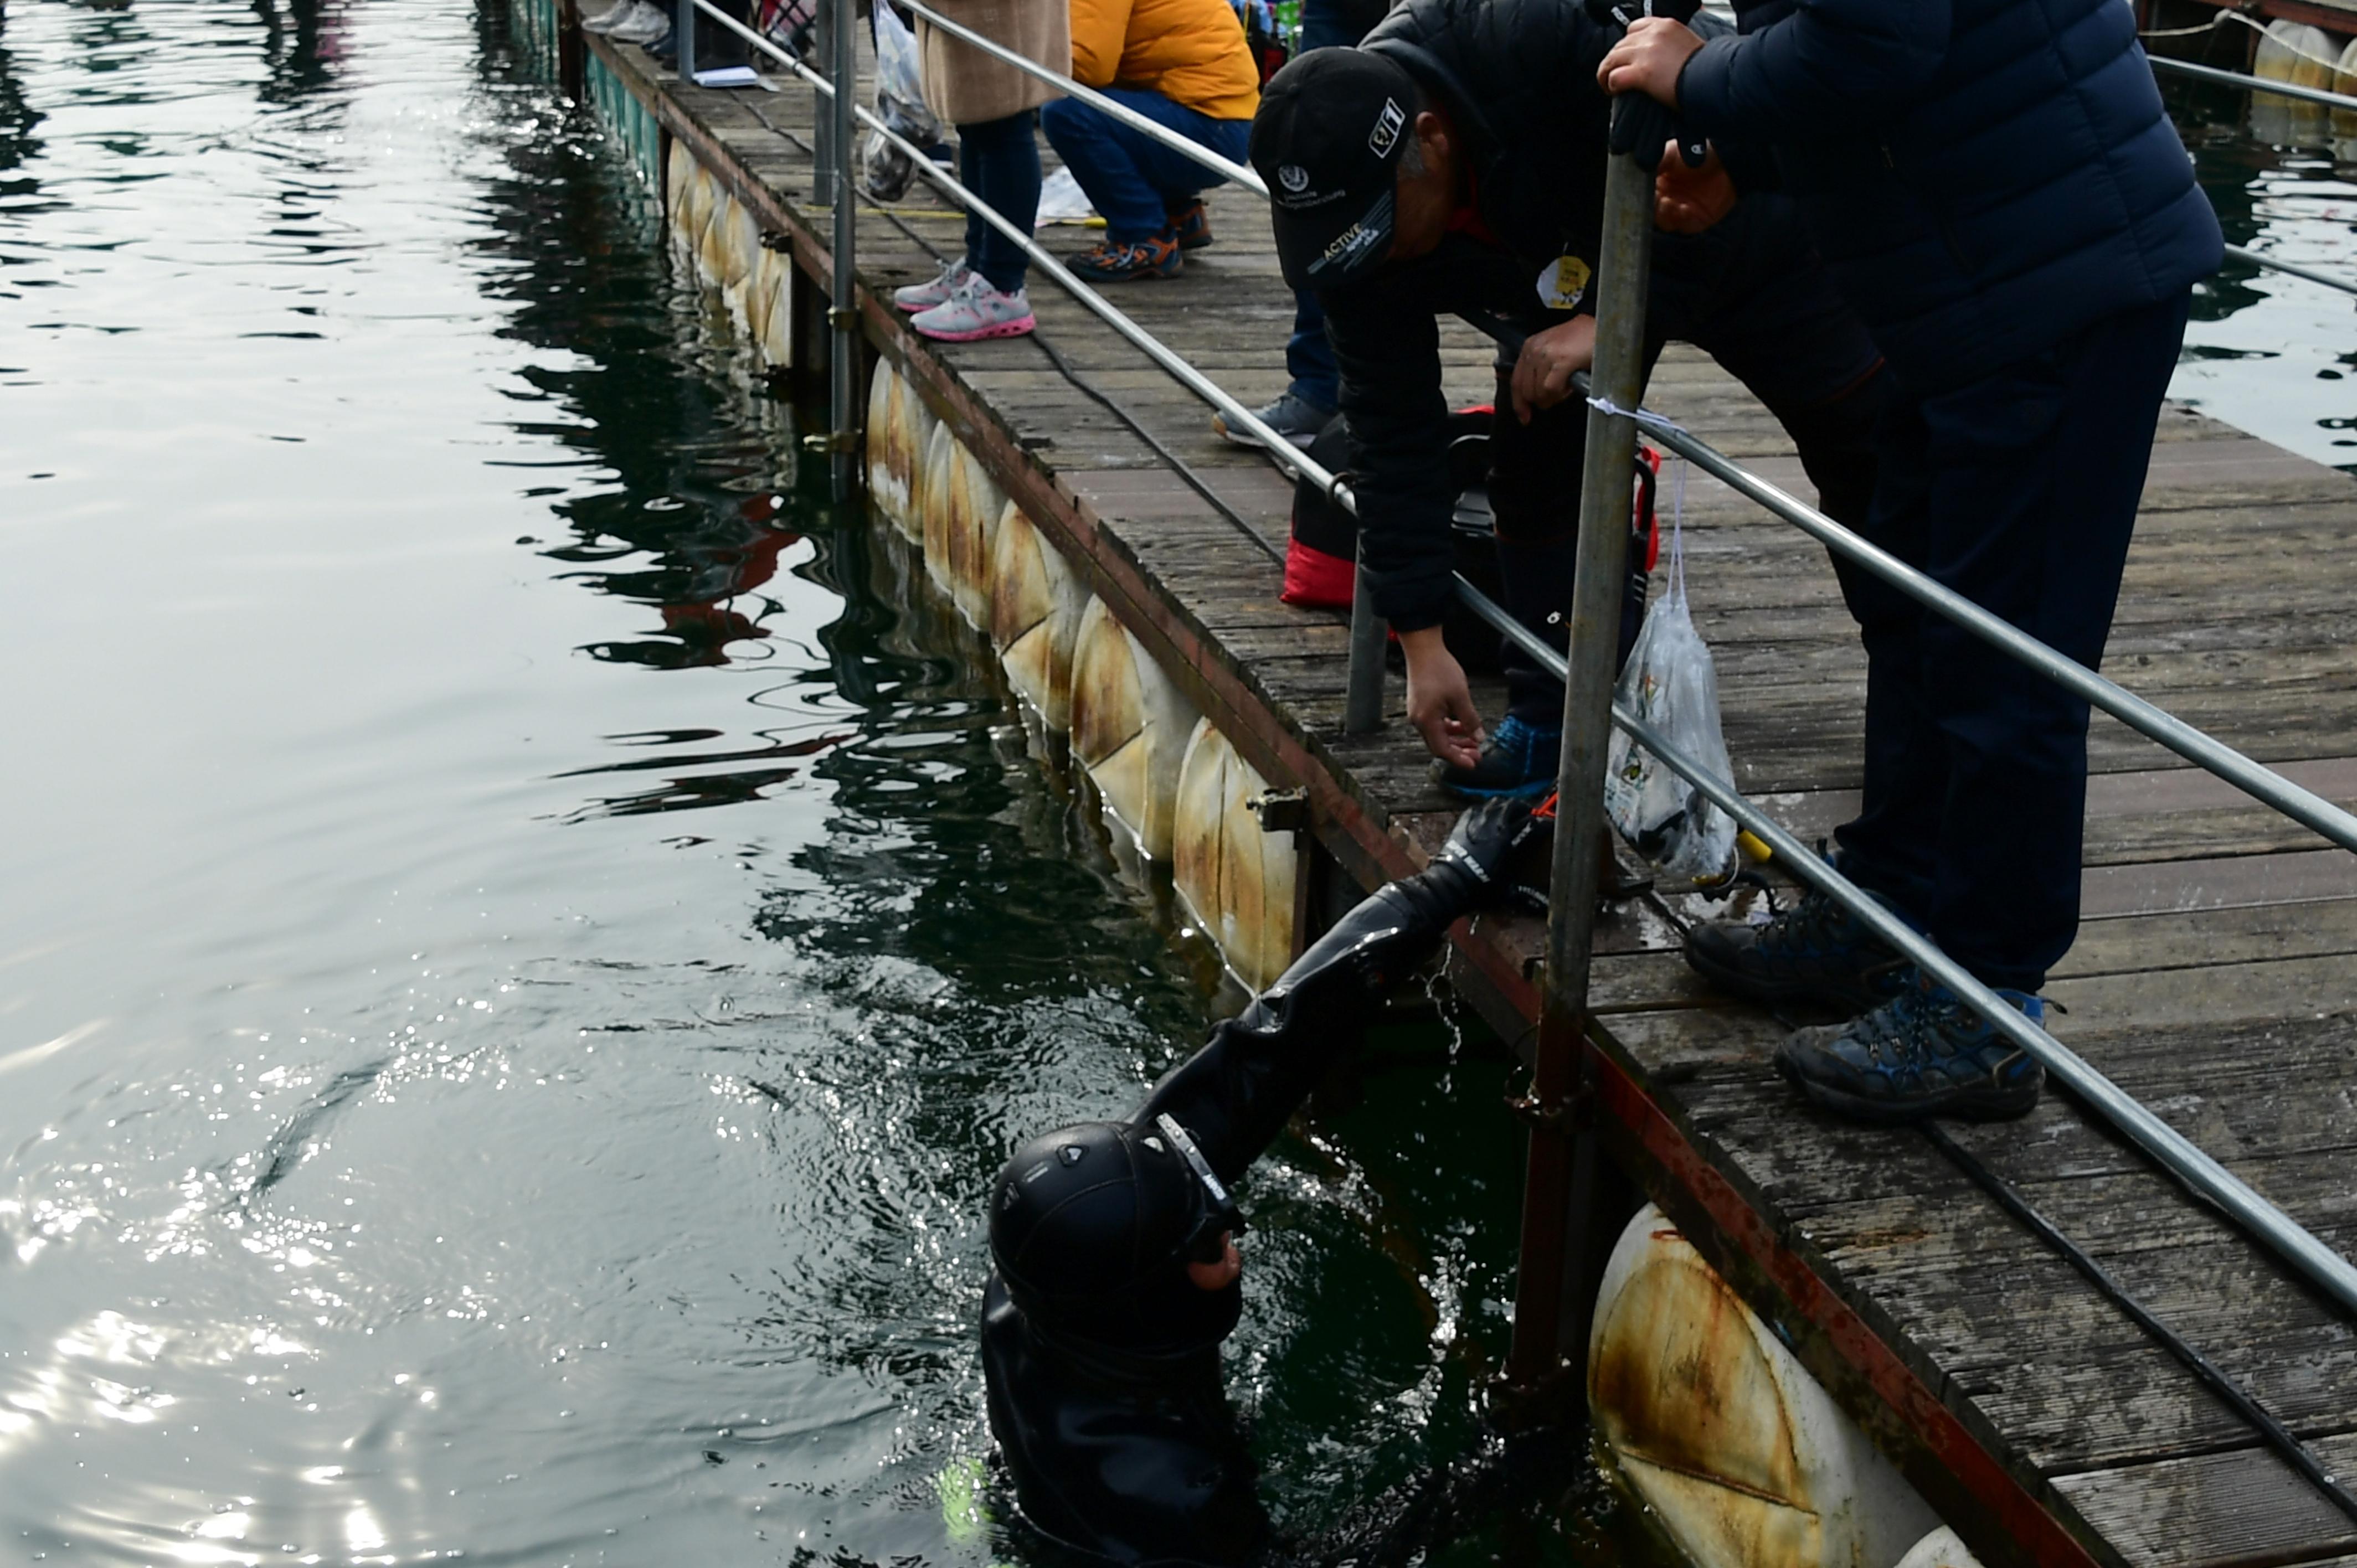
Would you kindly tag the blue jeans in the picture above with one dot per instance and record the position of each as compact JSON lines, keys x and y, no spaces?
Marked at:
{"x":1133,"y":182}
{"x":1309,"y":357}
{"x":998,"y":160}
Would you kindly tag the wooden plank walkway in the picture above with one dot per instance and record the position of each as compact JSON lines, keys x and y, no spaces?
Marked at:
{"x":2215,"y":977}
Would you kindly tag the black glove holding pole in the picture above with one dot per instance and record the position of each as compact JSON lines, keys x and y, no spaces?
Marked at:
{"x":1641,"y":125}
{"x":1115,"y":1276}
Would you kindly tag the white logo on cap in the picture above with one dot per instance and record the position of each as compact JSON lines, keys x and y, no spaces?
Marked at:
{"x":1387,"y":129}
{"x":1293,"y":177}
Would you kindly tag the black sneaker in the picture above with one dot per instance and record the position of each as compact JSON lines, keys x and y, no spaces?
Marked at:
{"x":1814,"y":951}
{"x":1923,"y":1053}
{"x":1519,"y":759}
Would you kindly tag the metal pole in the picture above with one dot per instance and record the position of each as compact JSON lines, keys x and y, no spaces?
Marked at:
{"x":684,"y":33}
{"x":1362,"y":692}
{"x":821,"y":56}
{"x":2253,"y":83}
{"x":2259,"y":259}
{"x":1542,"y":1315}
{"x":844,"y":434}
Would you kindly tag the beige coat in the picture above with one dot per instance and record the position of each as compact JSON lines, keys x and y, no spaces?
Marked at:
{"x":964,"y":86}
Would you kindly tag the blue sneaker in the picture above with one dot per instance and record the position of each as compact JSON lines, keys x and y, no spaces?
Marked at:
{"x":1923,"y":1053}
{"x":1519,"y":759}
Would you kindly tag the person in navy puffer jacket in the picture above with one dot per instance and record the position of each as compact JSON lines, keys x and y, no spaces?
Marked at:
{"x":1998,"y":191}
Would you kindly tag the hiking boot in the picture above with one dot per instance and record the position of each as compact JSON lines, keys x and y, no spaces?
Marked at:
{"x":973,"y":311}
{"x":917,"y":297}
{"x":1121,"y":261}
{"x":1192,"y":226}
{"x":1520,"y":759}
{"x":1296,"y":419}
{"x":1815,"y":950}
{"x":1923,"y":1053}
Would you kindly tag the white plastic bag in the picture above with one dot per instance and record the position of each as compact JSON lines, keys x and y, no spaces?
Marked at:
{"x":885,"y":172}
{"x":900,"y":80}
{"x":1671,"y":684}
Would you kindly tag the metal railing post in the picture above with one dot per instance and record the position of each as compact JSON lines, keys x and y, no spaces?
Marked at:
{"x":1362,"y":692}
{"x":1560,"y":1177}
{"x":684,"y":32}
{"x":822,"y":59}
{"x":844,"y":431}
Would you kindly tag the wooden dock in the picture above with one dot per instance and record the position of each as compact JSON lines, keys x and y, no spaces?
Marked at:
{"x":2215,"y":976}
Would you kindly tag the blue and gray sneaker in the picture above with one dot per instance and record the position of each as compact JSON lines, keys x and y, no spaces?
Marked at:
{"x":1520,"y":759}
{"x":1923,"y":1053}
{"x":1815,"y":950}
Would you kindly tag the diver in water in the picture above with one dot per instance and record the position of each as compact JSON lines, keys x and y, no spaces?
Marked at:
{"x":1117,"y":1270}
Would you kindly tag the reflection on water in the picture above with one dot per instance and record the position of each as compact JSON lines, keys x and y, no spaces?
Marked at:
{"x":2265,"y":351}
{"x":431,"y":1125}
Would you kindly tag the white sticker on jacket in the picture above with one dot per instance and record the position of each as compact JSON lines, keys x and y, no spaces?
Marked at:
{"x":1561,"y":283}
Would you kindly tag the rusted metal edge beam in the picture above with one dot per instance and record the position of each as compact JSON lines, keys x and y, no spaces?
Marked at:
{"x":1949,"y":1452}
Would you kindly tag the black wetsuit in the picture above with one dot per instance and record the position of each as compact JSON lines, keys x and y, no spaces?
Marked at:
{"x":1132,"y":1454}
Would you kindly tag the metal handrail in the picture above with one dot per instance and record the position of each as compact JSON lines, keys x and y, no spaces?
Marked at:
{"x":1287,"y":456}
{"x":1241,"y":174}
{"x":2253,"y":83}
{"x":2178,"y":1154}
{"x":2297,"y":270}
{"x":2204,"y":751}
{"x":2300,"y":1249}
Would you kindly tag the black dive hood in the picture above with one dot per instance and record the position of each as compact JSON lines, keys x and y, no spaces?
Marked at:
{"x":1093,"y":1226}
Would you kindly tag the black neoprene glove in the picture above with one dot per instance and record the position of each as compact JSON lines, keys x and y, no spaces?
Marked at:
{"x":1476,"y":866}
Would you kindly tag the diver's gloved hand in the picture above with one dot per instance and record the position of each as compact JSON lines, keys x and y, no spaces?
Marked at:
{"x":1487,"y":851}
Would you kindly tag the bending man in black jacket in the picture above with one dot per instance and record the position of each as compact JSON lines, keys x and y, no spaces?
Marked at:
{"x":1453,"y":164}
{"x":1116,"y":1271}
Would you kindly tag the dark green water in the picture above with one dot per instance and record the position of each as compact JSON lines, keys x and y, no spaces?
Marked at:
{"x":519,"y":958}
{"x":517,"y":961}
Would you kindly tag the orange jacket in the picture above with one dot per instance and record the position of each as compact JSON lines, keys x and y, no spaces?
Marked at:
{"x":1190,"y":51}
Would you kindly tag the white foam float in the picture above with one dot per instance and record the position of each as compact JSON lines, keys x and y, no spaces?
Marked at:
{"x":974,"y":504}
{"x":877,"y":458}
{"x":1036,"y":604}
{"x":1130,"y":727}
{"x":913,"y":426}
{"x":741,"y":257}
{"x":694,"y":211}
{"x":1745,"y":1458}
{"x":763,"y":291}
{"x":929,"y":498}
{"x":712,"y":253}
{"x":775,"y":283}
{"x":2344,"y":81}
{"x":1236,"y":879}
{"x":2297,"y":53}
{"x":679,"y":171}
{"x":1940,"y":1549}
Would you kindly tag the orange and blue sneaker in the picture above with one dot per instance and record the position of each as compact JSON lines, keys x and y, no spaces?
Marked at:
{"x":1120,"y":261}
{"x":1192,"y":226}
{"x":1923,"y":1053}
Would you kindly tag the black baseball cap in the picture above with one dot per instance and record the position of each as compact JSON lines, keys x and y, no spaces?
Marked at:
{"x":1327,"y":142}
